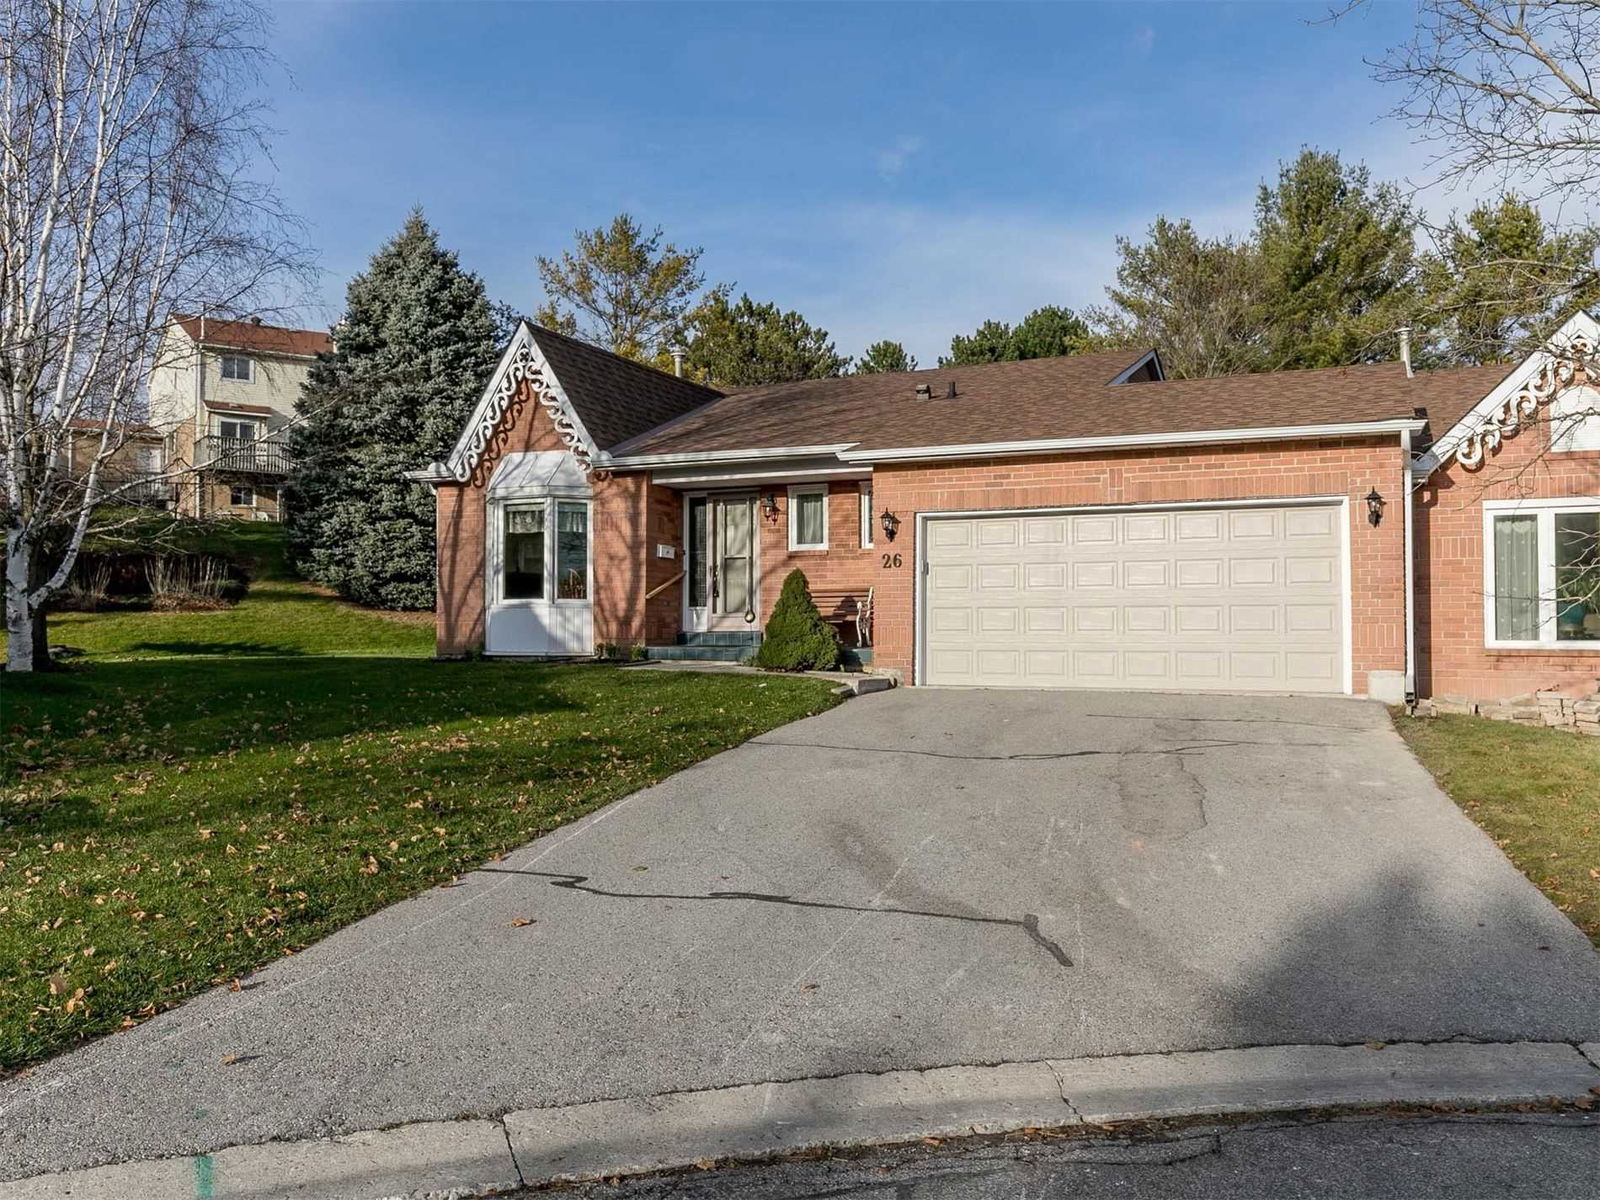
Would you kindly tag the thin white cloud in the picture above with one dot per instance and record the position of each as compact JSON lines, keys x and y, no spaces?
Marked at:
{"x":893,"y":159}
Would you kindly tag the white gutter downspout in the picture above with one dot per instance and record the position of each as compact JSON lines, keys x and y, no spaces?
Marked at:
{"x":1411,"y":584}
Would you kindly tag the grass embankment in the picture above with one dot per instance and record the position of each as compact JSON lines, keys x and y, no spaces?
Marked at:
{"x":1535,"y":791}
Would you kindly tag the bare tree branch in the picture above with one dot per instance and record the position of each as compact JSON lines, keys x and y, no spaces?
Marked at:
{"x":130,"y":147}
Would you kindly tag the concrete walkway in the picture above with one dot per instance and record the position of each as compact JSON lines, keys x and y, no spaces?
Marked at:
{"x":916,"y":879}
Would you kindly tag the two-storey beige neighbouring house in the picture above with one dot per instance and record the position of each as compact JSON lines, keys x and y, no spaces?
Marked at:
{"x":222,"y":393}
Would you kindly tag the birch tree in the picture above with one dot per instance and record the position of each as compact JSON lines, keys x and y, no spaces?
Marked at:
{"x":131,"y":155}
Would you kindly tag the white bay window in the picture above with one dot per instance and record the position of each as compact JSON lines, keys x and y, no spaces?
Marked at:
{"x":1542,"y":574}
{"x":540,"y":566}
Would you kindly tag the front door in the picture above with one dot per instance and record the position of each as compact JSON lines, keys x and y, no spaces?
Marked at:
{"x":721,"y":570}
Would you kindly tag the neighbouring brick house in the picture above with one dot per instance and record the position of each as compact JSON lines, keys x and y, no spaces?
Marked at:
{"x":1071,"y":522}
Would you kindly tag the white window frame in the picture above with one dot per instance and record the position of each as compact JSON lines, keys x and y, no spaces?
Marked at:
{"x":864,"y":499}
{"x":235,"y":419}
{"x":249,"y":487}
{"x":807,"y":489}
{"x":249,"y":375}
{"x":495,"y":576}
{"x":1545,"y":511}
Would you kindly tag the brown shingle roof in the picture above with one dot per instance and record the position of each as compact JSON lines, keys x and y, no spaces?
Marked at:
{"x":615,"y":397}
{"x":1058,"y":398}
{"x":263,"y":339}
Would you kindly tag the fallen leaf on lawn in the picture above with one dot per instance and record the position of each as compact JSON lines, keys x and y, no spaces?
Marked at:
{"x":58,"y":984}
{"x":521,"y":921}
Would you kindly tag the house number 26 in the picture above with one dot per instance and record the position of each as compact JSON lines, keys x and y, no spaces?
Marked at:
{"x":891,"y":560}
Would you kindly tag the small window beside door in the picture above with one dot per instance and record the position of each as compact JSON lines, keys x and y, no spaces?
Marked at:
{"x":866,"y":516}
{"x":808,"y":518}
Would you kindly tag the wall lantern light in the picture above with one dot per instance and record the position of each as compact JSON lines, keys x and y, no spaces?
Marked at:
{"x":890,"y":523}
{"x":769,"y":506}
{"x":1375,"y":505}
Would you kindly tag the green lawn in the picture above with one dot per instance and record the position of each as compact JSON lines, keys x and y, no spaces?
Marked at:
{"x":1535,"y":791}
{"x":279,"y":616}
{"x":205,"y":792}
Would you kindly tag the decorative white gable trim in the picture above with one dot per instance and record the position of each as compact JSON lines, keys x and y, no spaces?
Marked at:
{"x":522,"y":362}
{"x":1518,"y":398}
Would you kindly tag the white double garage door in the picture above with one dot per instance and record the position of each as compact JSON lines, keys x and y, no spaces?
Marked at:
{"x":1246,"y":598}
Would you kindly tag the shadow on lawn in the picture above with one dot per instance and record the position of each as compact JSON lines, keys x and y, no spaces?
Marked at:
{"x":214,"y":649}
{"x":157,"y":707}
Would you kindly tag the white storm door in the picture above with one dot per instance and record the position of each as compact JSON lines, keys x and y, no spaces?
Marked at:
{"x":732,"y":562}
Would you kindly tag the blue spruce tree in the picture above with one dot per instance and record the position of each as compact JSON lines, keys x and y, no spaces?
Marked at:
{"x":415,"y":346}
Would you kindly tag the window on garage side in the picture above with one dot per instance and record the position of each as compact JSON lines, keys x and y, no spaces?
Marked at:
{"x":1544,"y":575}
{"x":808,"y":518}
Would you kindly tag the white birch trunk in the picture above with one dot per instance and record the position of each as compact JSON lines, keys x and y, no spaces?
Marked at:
{"x":19,"y":609}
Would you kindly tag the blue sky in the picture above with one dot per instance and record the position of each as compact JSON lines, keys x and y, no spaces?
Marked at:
{"x":890,"y":170}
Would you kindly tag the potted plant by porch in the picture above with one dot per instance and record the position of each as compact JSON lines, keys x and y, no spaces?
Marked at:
{"x":797,"y":638}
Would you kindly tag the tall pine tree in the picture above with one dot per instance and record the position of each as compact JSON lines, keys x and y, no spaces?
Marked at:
{"x":413,"y":350}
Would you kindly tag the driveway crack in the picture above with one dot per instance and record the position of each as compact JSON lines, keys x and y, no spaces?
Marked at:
{"x":1028,"y":923}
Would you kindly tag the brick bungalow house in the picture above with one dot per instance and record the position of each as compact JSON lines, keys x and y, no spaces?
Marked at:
{"x":1065,"y":522}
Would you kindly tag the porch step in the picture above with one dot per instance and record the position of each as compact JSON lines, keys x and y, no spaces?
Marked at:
{"x":700,"y":653}
{"x":722,"y":637}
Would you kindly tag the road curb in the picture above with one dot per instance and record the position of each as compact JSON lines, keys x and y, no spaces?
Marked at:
{"x":575,"y":1143}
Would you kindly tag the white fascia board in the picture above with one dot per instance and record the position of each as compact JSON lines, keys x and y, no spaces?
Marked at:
{"x":432,"y":473}
{"x":756,"y":476}
{"x":696,"y":458}
{"x":1580,"y":324}
{"x":1136,"y":441}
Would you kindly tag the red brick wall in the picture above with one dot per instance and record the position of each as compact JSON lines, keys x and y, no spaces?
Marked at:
{"x":1349,"y":467}
{"x":630,"y":516}
{"x":1452,"y":659}
{"x":843,"y":566}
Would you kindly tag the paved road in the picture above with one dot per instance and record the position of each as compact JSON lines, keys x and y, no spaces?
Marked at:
{"x":917,"y":878}
{"x":1479,"y":1158}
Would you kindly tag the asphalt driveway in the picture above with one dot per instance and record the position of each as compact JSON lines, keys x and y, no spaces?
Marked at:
{"x":917,"y":878}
